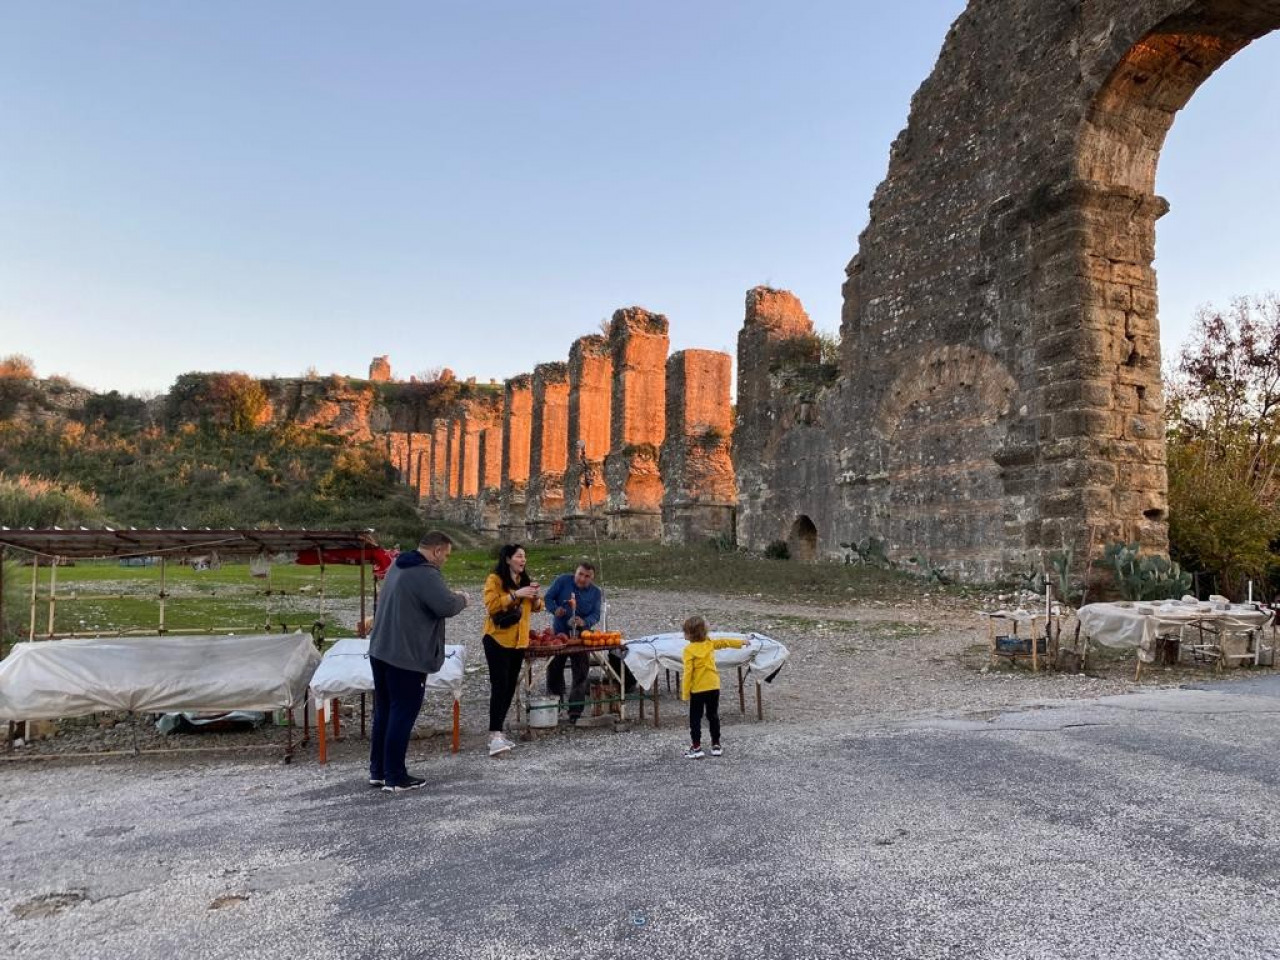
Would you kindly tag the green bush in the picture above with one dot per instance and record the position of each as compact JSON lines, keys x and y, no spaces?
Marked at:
{"x":27,"y":501}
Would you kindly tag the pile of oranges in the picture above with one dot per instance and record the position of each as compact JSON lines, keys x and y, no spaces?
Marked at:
{"x":600,"y":638}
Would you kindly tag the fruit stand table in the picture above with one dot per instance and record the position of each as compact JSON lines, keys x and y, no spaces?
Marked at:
{"x":599,"y":657}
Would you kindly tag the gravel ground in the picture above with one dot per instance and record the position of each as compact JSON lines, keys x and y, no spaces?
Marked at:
{"x":898,"y":801}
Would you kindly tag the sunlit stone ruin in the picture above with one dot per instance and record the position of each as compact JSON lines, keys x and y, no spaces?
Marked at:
{"x":997,"y":389}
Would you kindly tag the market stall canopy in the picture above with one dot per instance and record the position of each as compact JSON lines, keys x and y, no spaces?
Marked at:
{"x":106,"y":542}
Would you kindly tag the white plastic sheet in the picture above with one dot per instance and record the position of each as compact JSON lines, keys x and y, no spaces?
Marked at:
{"x":49,"y":679}
{"x":1122,"y":625}
{"x":345,"y":671}
{"x":645,"y":656}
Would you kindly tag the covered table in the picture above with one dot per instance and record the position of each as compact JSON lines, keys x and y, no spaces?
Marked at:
{"x":345,"y":671}
{"x":52,"y":679}
{"x":1128,"y":624}
{"x":760,"y":658}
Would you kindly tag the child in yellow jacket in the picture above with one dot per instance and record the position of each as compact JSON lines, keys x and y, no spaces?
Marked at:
{"x":700,"y":684}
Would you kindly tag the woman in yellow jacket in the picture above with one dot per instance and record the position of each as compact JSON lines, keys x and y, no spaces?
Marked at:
{"x":700,"y":684}
{"x":507,"y":590}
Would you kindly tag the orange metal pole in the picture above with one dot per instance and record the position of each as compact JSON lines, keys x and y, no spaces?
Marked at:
{"x":322,"y":748}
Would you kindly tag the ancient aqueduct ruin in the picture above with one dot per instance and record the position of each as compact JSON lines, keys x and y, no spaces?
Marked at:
{"x":998,"y":393}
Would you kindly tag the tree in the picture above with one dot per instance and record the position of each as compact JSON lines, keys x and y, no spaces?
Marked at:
{"x":1223,"y":430}
{"x":17,"y":367}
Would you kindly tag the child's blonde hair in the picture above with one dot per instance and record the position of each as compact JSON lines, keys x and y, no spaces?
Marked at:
{"x":695,"y":629}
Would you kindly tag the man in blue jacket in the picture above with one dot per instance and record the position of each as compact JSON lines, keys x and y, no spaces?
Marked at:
{"x":406,"y":644}
{"x":574,"y":601}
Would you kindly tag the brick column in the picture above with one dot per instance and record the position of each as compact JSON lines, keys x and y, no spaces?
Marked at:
{"x":516,"y":424}
{"x":697,"y":469}
{"x":549,"y":451}
{"x":439,"y":462}
{"x":638,"y":343}
{"x":590,"y":396}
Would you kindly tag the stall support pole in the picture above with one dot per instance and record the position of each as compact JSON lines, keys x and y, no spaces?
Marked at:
{"x":53,"y":593}
{"x":360,"y":630}
{"x":655,"y":703}
{"x":35,"y":577}
{"x":362,"y":716}
{"x":337,"y":710}
{"x":742,"y":696}
{"x":322,"y":745}
{"x":457,"y":723}
{"x":163,"y":593}
{"x":1,"y":603}
{"x":759,"y":703}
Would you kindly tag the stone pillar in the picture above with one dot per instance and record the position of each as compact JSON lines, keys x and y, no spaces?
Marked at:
{"x":469,"y":426}
{"x":697,"y":468}
{"x":490,"y":501}
{"x":590,"y":395}
{"x":398,"y":454}
{"x":777,"y":335}
{"x":549,"y":452}
{"x":638,"y":343}
{"x":454,"y":496}
{"x":482,"y":418}
{"x":439,"y":462}
{"x":422,"y":484}
{"x":516,"y":425}
{"x":380,"y":369}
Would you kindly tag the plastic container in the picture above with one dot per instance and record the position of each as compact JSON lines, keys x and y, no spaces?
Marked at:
{"x":544,"y":712}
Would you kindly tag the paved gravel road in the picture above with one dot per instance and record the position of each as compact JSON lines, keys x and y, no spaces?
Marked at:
{"x":946,"y":813}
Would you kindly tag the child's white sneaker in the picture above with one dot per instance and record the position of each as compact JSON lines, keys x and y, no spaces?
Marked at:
{"x":694,"y":753}
{"x":716,"y":750}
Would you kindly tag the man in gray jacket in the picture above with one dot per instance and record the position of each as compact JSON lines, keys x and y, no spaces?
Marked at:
{"x":407,"y":643}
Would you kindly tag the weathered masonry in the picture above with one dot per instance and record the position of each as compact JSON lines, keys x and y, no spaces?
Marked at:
{"x":999,"y":388}
{"x":580,"y":450}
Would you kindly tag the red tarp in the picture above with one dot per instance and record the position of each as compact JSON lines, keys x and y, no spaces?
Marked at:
{"x":380,"y":558}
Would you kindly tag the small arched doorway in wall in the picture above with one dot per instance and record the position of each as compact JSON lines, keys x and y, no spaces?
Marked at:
{"x":1112,"y":451}
{"x":802,"y":541}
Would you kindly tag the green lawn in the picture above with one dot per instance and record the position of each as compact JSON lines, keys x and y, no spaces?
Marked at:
{"x":104,"y":597}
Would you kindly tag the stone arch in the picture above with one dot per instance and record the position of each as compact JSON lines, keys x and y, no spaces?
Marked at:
{"x":1017,"y":220}
{"x":802,"y":540}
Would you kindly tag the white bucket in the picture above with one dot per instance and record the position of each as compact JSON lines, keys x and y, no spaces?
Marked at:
{"x":544,"y":711}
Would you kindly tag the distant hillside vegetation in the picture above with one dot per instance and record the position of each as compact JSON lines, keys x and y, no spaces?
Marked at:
{"x":222,"y":450}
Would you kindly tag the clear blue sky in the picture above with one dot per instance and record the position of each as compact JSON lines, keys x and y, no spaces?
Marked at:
{"x":269,"y":187}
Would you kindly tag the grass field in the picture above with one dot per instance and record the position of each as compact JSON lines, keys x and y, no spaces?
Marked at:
{"x":105,"y":597}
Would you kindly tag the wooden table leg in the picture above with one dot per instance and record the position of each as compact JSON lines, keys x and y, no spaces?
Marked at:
{"x":336,"y":709}
{"x":742,"y":696}
{"x":322,"y":745}
{"x":655,"y":703}
{"x":457,"y":723}
{"x":759,"y":703}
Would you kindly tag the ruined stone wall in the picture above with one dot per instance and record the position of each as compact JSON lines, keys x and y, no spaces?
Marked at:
{"x":638,"y":343}
{"x":380,"y":369}
{"x":781,"y":456}
{"x":549,"y":451}
{"x":517,"y":424}
{"x":1000,"y":388}
{"x":590,"y":397}
{"x":696,"y":462}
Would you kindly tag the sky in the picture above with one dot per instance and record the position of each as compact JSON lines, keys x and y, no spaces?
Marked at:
{"x":277,"y":187}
